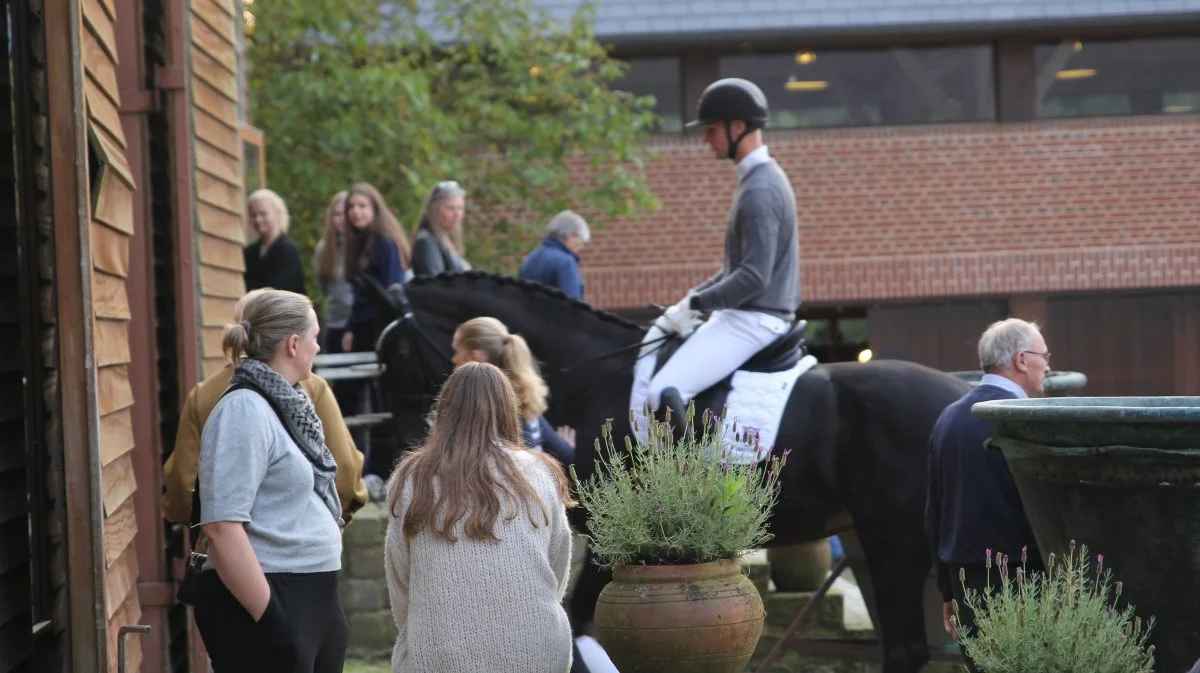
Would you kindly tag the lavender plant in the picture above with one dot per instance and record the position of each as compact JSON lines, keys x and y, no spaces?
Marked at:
{"x":669,"y":502}
{"x":1062,"y":621}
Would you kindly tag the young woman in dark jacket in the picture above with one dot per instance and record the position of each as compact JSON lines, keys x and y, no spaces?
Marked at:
{"x":488,"y":340}
{"x":438,"y":241}
{"x":274,"y":259}
{"x":376,"y":247}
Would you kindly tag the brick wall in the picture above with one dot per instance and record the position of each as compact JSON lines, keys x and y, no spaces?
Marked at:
{"x":932,"y":211}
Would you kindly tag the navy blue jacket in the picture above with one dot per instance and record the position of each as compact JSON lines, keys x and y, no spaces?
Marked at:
{"x":972,"y":503}
{"x":538,"y":435}
{"x":383,"y":265}
{"x":551,"y":263}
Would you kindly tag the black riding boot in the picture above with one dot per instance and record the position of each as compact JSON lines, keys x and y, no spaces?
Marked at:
{"x":671,"y":399}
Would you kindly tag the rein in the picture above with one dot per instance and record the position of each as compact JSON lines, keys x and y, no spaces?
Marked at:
{"x":408,"y":320}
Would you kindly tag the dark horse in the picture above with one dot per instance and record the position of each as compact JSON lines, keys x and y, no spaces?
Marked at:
{"x":858,"y":432}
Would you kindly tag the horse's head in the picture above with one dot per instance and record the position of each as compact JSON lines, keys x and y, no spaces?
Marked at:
{"x":568,"y":338}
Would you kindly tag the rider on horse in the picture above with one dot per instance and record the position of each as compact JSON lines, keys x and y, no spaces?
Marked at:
{"x":754,"y":297}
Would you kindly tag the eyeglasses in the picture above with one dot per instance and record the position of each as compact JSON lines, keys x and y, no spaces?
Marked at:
{"x":1044,"y":356}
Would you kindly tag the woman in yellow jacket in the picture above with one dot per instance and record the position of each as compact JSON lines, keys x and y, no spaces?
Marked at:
{"x":179,"y":473}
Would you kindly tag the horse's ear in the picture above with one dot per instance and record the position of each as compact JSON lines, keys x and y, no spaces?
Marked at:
{"x":399,"y":298}
{"x":384,"y":298}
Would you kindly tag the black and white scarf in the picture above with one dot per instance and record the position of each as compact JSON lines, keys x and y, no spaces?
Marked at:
{"x":296,"y":411}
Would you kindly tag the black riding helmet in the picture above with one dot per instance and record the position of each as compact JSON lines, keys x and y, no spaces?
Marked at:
{"x":729,"y":99}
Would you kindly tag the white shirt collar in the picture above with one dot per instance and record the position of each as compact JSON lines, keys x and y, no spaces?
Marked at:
{"x":1005,"y":383}
{"x":748,"y":162}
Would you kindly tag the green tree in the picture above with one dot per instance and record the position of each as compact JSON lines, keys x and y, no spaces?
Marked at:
{"x":492,"y":93}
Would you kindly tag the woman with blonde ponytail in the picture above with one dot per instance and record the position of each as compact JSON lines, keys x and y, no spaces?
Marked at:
{"x":267,"y":598}
{"x":488,"y":340}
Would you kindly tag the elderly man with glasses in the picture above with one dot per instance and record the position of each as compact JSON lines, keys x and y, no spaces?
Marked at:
{"x":973,"y":511}
{"x":556,"y":261}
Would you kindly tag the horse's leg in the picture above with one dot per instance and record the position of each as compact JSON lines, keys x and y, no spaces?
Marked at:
{"x":899,"y":565}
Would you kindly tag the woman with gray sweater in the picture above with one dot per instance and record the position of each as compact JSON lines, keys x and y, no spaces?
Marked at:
{"x":267,"y":598}
{"x":478,"y":546}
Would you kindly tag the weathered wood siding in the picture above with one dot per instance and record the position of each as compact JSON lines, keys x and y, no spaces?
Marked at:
{"x":112,"y":224}
{"x":220,"y":201}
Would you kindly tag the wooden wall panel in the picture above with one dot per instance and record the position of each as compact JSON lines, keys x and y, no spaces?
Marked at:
{"x":218,"y":178}
{"x":213,"y":131}
{"x":220,"y":253}
{"x":1127,"y":344}
{"x":111,"y":342}
{"x":110,"y":250}
{"x":942,"y":335}
{"x":222,"y":192}
{"x":221,"y":223}
{"x":112,"y":225}
{"x":109,"y":297}
{"x":216,"y":312}
{"x":114,"y":390}
{"x":121,"y":580}
{"x":215,"y":74}
{"x":130,"y":612}
{"x":116,"y":436}
{"x":117,"y":483}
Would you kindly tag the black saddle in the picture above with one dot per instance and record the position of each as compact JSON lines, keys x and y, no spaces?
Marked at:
{"x":780,"y":355}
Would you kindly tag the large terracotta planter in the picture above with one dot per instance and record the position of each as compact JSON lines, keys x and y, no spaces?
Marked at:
{"x":1121,"y":475}
{"x":703,"y":618}
{"x":800,"y":567}
{"x":1056,"y":384}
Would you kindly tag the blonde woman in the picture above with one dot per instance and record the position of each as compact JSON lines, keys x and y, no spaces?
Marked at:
{"x":488,"y":340}
{"x":330,"y":262}
{"x":273,"y":260}
{"x":478,"y":547}
{"x":438,"y":241}
{"x":267,"y":600}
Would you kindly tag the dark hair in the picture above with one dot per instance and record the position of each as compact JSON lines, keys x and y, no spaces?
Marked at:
{"x":360,"y":242}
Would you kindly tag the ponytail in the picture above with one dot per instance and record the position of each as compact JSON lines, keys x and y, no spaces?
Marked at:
{"x":511,"y":353}
{"x":523,"y":372}
{"x":236,"y":341}
{"x":266,"y":319}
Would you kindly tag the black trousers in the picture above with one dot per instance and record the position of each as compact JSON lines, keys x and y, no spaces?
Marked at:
{"x":977,"y":582}
{"x":303,"y":630}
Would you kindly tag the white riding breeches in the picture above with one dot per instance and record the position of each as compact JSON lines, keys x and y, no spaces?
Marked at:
{"x":722,"y":344}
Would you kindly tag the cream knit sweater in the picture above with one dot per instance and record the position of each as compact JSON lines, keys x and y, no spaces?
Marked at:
{"x":483,"y":607}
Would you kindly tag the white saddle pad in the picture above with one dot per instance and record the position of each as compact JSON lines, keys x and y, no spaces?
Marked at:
{"x":755,"y":406}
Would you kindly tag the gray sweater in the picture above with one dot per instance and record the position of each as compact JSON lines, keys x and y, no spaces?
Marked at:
{"x":762,"y":249}
{"x":253,"y":473}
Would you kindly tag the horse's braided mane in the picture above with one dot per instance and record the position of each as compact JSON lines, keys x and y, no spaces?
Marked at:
{"x":553,"y":293}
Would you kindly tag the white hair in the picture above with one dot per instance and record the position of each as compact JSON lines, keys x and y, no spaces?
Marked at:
{"x":282,"y":219}
{"x":568,"y":223}
{"x":1003,"y":340}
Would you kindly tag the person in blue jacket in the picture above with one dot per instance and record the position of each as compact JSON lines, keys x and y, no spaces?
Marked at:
{"x":488,"y":340}
{"x":376,"y":247}
{"x":556,"y":261}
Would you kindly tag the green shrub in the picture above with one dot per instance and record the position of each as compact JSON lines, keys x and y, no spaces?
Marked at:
{"x":667,"y":502}
{"x":1063,"y":621}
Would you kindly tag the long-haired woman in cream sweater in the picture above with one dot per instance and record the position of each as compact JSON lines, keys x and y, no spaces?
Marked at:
{"x":478,"y":545}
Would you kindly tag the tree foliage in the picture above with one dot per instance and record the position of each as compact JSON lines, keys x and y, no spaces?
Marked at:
{"x":491,"y":93}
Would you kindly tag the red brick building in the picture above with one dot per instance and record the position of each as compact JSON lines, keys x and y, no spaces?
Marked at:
{"x":948,"y":173}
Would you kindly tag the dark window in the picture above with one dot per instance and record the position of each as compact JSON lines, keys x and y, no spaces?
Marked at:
{"x":658,"y":77}
{"x":865,"y":88}
{"x":1131,"y":77}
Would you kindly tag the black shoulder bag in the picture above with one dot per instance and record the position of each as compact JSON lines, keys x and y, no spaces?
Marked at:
{"x":188,"y":589}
